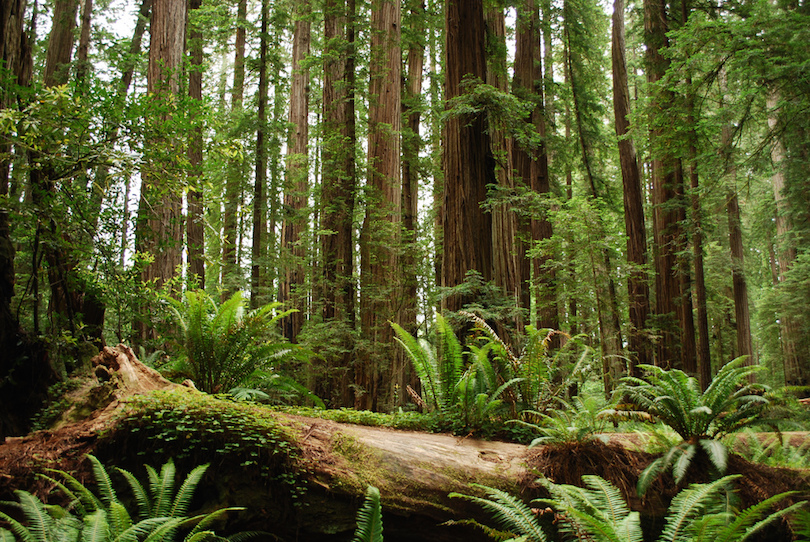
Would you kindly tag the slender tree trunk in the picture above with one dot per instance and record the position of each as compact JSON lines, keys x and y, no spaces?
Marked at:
{"x":257,"y":286}
{"x":60,"y":43}
{"x":637,"y":285}
{"x":786,"y":251}
{"x":467,"y":158}
{"x":194,"y":221}
{"x":82,"y":52}
{"x":231,"y":280}
{"x":338,"y":196}
{"x":380,"y":285}
{"x":293,"y":229}
{"x":402,"y":374}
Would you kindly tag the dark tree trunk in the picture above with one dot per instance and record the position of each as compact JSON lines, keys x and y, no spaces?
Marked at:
{"x":402,"y":373}
{"x":195,"y":232}
{"x":257,"y":281}
{"x":638,"y":288}
{"x":338,"y":197}
{"x":380,"y":288}
{"x":467,"y":157}
{"x":231,"y":280}
{"x":293,"y":229}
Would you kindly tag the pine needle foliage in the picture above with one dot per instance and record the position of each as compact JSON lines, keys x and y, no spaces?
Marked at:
{"x":224,"y":344}
{"x":369,"y":518}
{"x":700,"y":418}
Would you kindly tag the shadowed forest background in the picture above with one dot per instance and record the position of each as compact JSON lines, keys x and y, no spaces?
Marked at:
{"x":634,"y":178}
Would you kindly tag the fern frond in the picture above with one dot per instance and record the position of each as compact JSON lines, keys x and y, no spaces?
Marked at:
{"x":96,"y":528}
{"x":141,"y":496}
{"x":687,"y":505}
{"x":369,"y":518}
{"x":105,"y":488}
{"x":509,"y":511}
{"x":36,"y":516}
{"x":182,"y":500}
{"x":163,"y":490}
{"x":22,"y":532}
{"x":6,"y":535}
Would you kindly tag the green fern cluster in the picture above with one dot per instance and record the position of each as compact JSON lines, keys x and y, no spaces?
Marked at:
{"x":700,"y":418}
{"x":574,"y":421}
{"x":598,"y":512}
{"x":224,"y":344}
{"x":161,"y":515}
{"x":479,"y":384}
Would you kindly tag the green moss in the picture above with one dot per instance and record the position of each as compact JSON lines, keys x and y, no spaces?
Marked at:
{"x":194,"y":427}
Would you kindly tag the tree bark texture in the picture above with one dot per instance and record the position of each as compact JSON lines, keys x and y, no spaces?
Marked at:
{"x":506,"y":253}
{"x":402,"y":374}
{"x":82,"y":51}
{"x":785,"y":250}
{"x":467,"y":158}
{"x":338,"y":197}
{"x":380,"y":289}
{"x":60,"y":43}
{"x":293,"y":230}
{"x":195,"y":232}
{"x":233,"y":183}
{"x":673,"y":302}
{"x":257,"y":280}
{"x":637,"y":286}
{"x":160,"y":210}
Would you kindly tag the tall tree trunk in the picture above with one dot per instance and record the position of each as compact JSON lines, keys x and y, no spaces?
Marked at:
{"x":380,"y":285}
{"x":338,"y":197}
{"x":293,"y":229}
{"x":676,"y":346}
{"x":257,"y":282}
{"x":786,"y":251}
{"x":60,"y":43}
{"x":160,"y":220}
{"x":637,"y":285}
{"x":467,"y":157}
{"x":402,"y":373}
{"x":231,"y":280}
{"x":195,"y":232}
{"x":82,"y":66}
{"x":507,"y":254}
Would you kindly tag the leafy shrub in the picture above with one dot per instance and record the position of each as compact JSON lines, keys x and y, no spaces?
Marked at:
{"x":574,"y":421}
{"x":224,"y":344}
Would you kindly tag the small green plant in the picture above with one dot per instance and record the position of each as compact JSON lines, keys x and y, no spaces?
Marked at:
{"x":701,"y":418}
{"x":598,"y":512}
{"x":224,"y":344}
{"x":575,"y":421}
{"x":775,"y":451}
{"x":102,"y":517}
{"x":369,"y":518}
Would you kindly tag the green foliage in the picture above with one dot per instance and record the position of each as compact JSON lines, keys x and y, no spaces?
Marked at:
{"x":193,"y":427}
{"x":102,"y":517}
{"x":397,"y":420}
{"x":774,"y":451}
{"x":598,"y":512}
{"x":225,"y":344}
{"x":473,"y":386}
{"x":509,"y":512}
{"x":701,"y":418}
{"x":55,"y":406}
{"x":574,"y":421}
{"x":369,"y":518}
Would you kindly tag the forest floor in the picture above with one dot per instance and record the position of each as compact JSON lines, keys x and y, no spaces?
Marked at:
{"x":414,"y":470}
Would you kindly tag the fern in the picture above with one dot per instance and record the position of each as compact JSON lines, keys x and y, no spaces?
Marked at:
{"x":508,"y":511}
{"x":369,"y":518}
